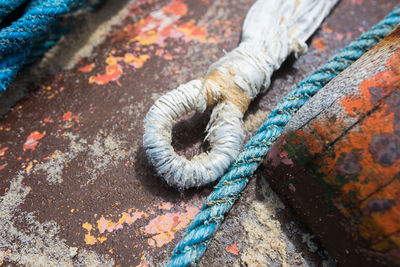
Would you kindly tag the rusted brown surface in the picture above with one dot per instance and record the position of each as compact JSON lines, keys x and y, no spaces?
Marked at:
{"x":71,"y":151}
{"x":339,"y":167}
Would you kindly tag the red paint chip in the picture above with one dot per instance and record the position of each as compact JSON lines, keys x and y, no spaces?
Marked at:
{"x":234,"y":249}
{"x":32,"y":140}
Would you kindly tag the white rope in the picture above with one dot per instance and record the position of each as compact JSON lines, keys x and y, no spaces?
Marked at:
{"x":272,"y":31}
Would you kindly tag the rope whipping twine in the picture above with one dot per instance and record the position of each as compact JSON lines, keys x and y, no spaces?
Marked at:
{"x":199,"y":233}
{"x":271,"y":32}
{"x":23,"y":40}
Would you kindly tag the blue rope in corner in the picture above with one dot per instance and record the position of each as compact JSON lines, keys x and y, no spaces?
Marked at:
{"x":31,"y":35}
{"x":199,"y":233}
{"x":38,"y":19}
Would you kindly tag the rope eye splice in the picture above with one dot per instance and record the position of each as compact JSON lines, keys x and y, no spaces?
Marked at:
{"x":204,"y":225}
{"x":271,"y":32}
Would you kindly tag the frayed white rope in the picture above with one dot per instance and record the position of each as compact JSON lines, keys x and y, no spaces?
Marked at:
{"x":272,"y":31}
{"x":203,"y":168}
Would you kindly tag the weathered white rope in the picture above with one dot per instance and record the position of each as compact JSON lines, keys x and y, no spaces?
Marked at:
{"x":272,"y":31}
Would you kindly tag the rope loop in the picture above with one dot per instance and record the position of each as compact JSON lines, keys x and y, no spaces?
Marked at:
{"x":190,"y":249}
{"x":272,"y":31}
{"x":224,"y":133}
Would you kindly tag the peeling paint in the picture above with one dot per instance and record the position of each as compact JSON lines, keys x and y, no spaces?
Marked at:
{"x":68,"y":117}
{"x":3,"y":151}
{"x":33,"y":140}
{"x":3,"y":166}
{"x":113,"y":72}
{"x":319,"y":43}
{"x":87,"y":68}
{"x":127,"y":217}
{"x":163,"y":227}
{"x":234,"y":249}
{"x":107,"y":225}
{"x":137,"y":62}
{"x":148,"y":32}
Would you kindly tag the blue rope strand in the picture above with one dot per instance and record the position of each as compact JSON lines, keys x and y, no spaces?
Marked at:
{"x":199,"y":233}
{"x":38,"y":19}
{"x":28,"y":38}
{"x":9,"y":68}
{"x":47,"y":41}
{"x":10,"y":65}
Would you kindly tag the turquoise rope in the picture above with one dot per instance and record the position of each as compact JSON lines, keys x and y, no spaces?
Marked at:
{"x":38,"y":19}
{"x":29,"y":37}
{"x":199,"y":233}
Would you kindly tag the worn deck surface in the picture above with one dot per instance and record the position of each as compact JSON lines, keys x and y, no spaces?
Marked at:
{"x":76,"y":186}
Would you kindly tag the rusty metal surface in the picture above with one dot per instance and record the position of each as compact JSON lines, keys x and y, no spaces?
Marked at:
{"x":76,"y":185}
{"x":338,"y":165}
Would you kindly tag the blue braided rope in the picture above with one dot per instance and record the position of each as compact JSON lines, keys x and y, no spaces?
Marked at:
{"x":38,"y":19}
{"x":10,"y":65}
{"x":199,"y":233}
{"x":28,"y":38}
{"x":46,"y":42}
{"x":8,"y":6}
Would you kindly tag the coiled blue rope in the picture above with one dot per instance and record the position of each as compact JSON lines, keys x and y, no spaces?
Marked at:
{"x":32,"y":34}
{"x":40,"y":16}
{"x":199,"y":233}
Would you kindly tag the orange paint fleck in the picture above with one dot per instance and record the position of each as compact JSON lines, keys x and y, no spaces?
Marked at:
{"x":102,"y":239}
{"x":151,"y":30}
{"x":158,"y":26}
{"x":3,"y":151}
{"x":32,"y":140}
{"x":113,"y":72}
{"x":89,"y":239}
{"x":234,"y":249}
{"x":163,"y":227}
{"x":68,"y":117}
{"x":110,"y":226}
{"x":137,"y":62}
{"x":168,"y":56}
{"x":191,"y":32}
{"x":29,"y":167}
{"x":87,"y":68}
{"x":356,"y":2}
{"x":327,"y":29}
{"x":47,"y":120}
{"x":319,"y":44}
{"x":107,"y":225}
{"x":175,"y":8}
